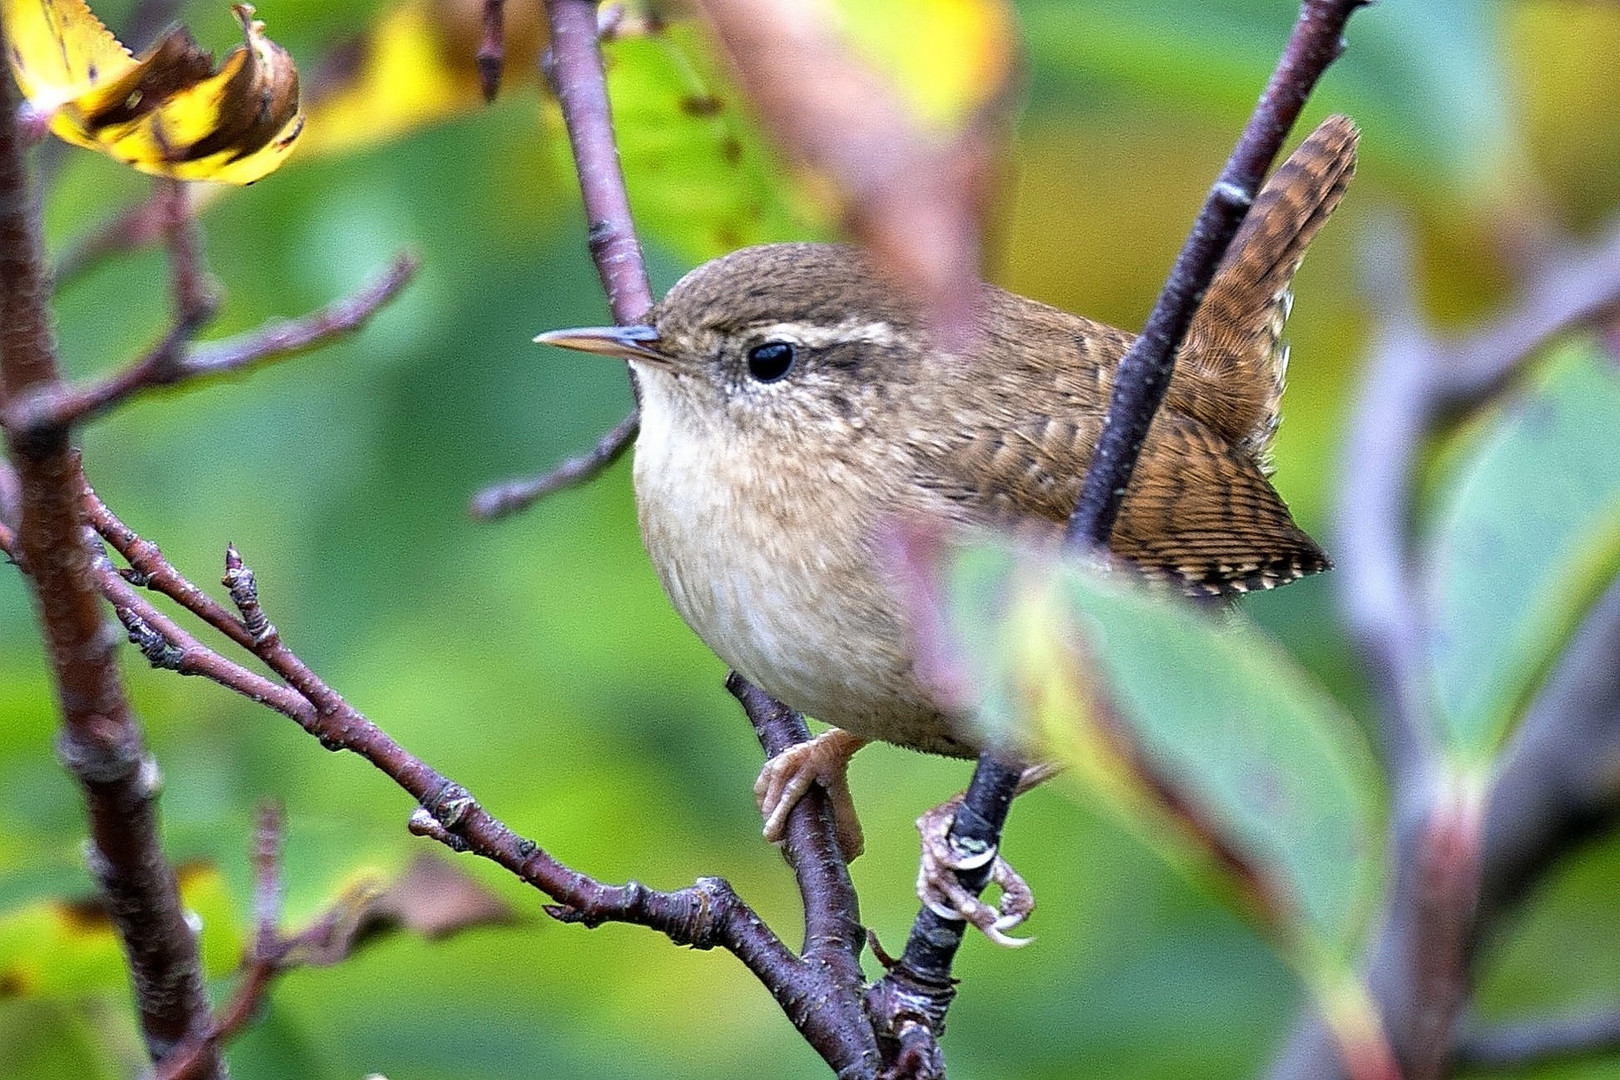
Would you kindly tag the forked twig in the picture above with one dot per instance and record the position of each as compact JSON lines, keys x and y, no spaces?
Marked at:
{"x":177,"y":360}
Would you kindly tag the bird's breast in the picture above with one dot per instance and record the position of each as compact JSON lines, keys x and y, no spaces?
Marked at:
{"x":776,"y":569}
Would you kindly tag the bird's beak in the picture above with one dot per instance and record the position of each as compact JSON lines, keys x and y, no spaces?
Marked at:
{"x":625,"y":342}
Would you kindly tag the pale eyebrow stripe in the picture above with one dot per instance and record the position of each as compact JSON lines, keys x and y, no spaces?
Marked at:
{"x":819,"y":337}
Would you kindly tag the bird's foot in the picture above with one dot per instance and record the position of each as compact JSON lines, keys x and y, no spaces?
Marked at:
{"x":786,"y":777}
{"x":941,"y":892}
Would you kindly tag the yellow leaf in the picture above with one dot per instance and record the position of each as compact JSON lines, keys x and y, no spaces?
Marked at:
{"x":65,"y":948}
{"x":168,"y":113}
{"x":416,"y":67}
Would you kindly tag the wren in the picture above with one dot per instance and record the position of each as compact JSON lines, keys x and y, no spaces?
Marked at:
{"x":792,"y":404}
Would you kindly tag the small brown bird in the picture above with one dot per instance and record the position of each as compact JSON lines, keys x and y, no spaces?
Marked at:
{"x":792,"y":404}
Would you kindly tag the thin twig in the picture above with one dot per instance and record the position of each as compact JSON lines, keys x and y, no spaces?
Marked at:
{"x":1144,"y":373}
{"x":574,"y":68}
{"x":492,"y":48}
{"x":101,"y":743}
{"x":708,"y":914}
{"x":131,"y":229}
{"x":919,"y":988}
{"x":195,"y":297}
{"x":1532,"y":1043}
{"x":148,"y":569}
{"x":832,"y":913}
{"x":514,"y":495}
{"x":176,"y":361}
{"x":833,"y":935}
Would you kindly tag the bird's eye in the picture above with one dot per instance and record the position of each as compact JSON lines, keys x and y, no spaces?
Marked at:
{"x":771,"y":361}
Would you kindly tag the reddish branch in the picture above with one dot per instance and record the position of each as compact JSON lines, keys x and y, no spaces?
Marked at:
{"x":491,"y":55}
{"x":574,"y":69}
{"x":819,"y":992}
{"x":177,"y":359}
{"x":101,"y":743}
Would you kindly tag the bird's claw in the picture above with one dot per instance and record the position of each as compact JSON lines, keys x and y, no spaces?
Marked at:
{"x":787,"y":776}
{"x":941,"y":892}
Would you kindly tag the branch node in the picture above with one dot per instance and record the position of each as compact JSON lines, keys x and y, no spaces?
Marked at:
{"x":244,"y":590}
{"x":423,"y":823}
{"x":1230,"y":194}
{"x":99,"y":752}
{"x":153,"y":645}
{"x":450,"y":805}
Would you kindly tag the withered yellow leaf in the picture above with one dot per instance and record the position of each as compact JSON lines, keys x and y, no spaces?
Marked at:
{"x":415,"y":67}
{"x":169,"y":112}
{"x":59,"y":50}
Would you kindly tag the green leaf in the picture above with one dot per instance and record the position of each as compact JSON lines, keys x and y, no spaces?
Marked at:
{"x":1399,"y":59}
{"x":62,"y":949}
{"x":702,"y":179}
{"x":1528,"y":539}
{"x":1202,"y":731}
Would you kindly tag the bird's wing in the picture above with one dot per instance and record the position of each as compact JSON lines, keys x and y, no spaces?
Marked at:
{"x":1197,"y":512}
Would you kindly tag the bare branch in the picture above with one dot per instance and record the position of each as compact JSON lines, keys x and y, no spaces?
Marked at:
{"x":706,"y":915}
{"x":195,"y":298}
{"x":514,"y":495}
{"x":101,"y":743}
{"x":177,"y":361}
{"x":1528,"y":1044}
{"x":133,"y":228}
{"x":921,"y":980}
{"x":148,"y":569}
{"x":574,"y":68}
{"x":1144,"y":373}
{"x":833,"y":933}
{"x":262,"y":964}
{"x":492,"y":48}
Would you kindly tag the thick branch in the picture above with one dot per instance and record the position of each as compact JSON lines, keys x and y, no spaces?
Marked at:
{"x":101,"y":743}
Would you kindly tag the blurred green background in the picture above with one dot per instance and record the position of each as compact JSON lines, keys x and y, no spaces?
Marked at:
{"x":536,"y":660}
